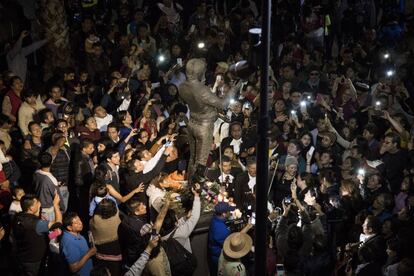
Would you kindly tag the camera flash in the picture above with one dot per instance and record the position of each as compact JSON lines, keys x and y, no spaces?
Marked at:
{"x":293,"y":112}
{"x":302,"y":103}
{"x":161,"y":58}
{"x":361,"y":172}
{"x":201,"y":45}
{"x":386,"y":55}
{"x":390,"y":73}
{"x":377,"y":103}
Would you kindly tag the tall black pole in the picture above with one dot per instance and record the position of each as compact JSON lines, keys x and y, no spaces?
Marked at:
{"x":263,"y":148}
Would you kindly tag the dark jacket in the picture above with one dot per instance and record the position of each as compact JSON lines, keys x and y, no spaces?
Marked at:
{"x":377,"y":247}
{"x":241,"y":191}
{"x":60,"y":166}
{"x":29,"y":158}
{"x":130,"y":239}
{"x":112,"y":177}
{"x":31,"y":247}
{"x":133,"y":179}
{"x":282,"y":235}
{"x":83,"y":174}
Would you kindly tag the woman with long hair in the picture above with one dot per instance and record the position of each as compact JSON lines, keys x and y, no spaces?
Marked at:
{"x":104,"y":227}
{"x":351,"y":200}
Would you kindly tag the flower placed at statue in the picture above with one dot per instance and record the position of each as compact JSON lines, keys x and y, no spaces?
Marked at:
{"x":236,"y":214}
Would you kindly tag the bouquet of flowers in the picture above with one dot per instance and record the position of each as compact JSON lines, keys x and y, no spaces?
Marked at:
{"x":211,"y":194}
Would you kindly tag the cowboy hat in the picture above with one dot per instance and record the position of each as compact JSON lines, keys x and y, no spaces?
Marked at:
{"x":237,"y":245}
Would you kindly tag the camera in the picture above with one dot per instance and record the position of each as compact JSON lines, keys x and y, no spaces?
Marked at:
{"x":287,"y":200}
{"x":377,"y":110}
{"x":253,"y":219}
{"x":120,"y":96}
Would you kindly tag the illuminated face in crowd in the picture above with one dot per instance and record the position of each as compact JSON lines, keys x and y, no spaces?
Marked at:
{"x":91,"y":123}
{"x":236,"y":131}
{"x":286,"y":87}
{"x":36,"y":131}
{"x":374,"y":182}
{"x":280,"y":106}
{"x":314,"y":76}
{"x":128,"y":119}
{"x":176,"y":50}
{"x":55,"y":93}
{"x":31,"y":100}
{"x":112,"y":133}
{"x":388,"y":144}
{"x":229,"y":152}
{"x":226,"y":167}
{"x":63,"y":126}
{"x":293,"y":149}
{"x":17,"y":85}
{"x":89,"y":149}
{"x":309,"y":199}
{"x":288,"y":73}
{"x":143,"y":137}
{"x":325,"y":159}
{"x":146,"y":155}
{"x":346,"y":96}
{"x":115,"y":159}
{"x":306,"y":140}
{"x":236,"y":107}
{"x":292,"y":169}
{"x":101,"y":147}
{"x":139,"y":167}
{"x":251,"y":169}
{"x":295,"y":97}
{"x":77,"y":225}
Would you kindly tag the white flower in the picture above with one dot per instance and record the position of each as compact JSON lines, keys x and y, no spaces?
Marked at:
{"x":237,"y":214}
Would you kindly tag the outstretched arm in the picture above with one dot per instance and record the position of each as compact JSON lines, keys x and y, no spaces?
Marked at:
{"x":33,"y":47}
{"x":125,"y":198}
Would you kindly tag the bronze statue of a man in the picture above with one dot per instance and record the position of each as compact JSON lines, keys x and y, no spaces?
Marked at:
{"x":203,"y":105}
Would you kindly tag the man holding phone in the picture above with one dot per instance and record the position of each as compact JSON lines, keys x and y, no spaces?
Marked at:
{"x":73,"y":246}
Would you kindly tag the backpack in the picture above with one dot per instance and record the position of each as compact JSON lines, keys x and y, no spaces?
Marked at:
{"x":182,"y":262}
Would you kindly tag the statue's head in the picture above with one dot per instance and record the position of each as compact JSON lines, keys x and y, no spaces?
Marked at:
{"x":196,"y":69}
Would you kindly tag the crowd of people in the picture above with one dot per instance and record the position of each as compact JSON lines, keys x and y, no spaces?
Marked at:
{"x":95,"y":160}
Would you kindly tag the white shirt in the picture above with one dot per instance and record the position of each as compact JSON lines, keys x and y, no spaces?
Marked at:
{"x":236,"y":145}
{"x":252,"y":182}
{"x":363,"y":238}
{"x":150,"y":164}
{"x":223,"y":176}
{"x":102,"y":123}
